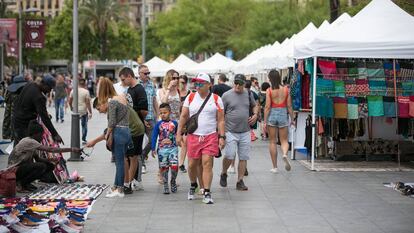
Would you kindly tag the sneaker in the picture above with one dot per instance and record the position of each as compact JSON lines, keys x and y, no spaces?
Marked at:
{"x":182,"y":169}
{"x":241,"y":187}
{"x":191,"y":193}
{"x":173,"y":186}
{"x":231,"y":170}
{"x":207,"y":198}
{"x":246,"y":173}
{"x":166,"y":189}
{"x":114,"y":193}
{"x":136,"y":185}
{"x":223,"y":180}
{"x":201,"y":192}
{"x":287,"y":164}
{"x":144,"y":169}
{"x":128,"y":190}
{"x":273,"y":170}
{"x":84,"y":142}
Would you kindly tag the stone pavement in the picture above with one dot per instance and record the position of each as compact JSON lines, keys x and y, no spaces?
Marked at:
{"x":296,"y":201}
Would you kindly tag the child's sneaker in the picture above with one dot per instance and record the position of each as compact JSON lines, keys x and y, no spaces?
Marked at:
{"x":207,"y":198}
{"x":173,"y":186}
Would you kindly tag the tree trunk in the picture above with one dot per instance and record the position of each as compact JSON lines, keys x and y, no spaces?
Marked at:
{"x":334,"y":8}
{"x":103,"y":46}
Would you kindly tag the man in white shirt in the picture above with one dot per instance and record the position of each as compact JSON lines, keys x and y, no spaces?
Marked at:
{"x":84,"y":107}
{"x":202,"y":144}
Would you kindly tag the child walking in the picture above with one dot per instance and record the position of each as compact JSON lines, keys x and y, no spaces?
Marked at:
{"x":166,"y":130}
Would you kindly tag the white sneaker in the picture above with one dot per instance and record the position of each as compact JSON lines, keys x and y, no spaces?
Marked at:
{"x":287,"y":164}
{"x":144,"y":170}
{"x":114,"y":193}
{"x":136,"y":185}
{"x":231,"y":170}
{"x":273,"y":170}
{"x":207,"y":199}
{"x":201,"y":192}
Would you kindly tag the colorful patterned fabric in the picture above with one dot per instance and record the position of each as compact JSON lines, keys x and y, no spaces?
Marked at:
{"x":362,"y":107}
{"x":377,"y":87}
{"x":352,"y":69}
{"x":328,"y":69}
{"x":339,"y":87}
{"x":362,"y":87}
{"x":411,"y":106}
{"x":324,"y":86}
{"x":352,"y":108}
{"x":362,"y":70}
{"x":351,"y":88}
{"x":375,"y":69}
{"x":375,"y":106}
{"x":403,"y":106}
{"x":324,"y":106}
{"x":340,"y":107}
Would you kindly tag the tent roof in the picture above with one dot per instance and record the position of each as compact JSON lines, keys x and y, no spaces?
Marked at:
{"x":183,"y":64}
{"x":157,"y":66}
{"x":380,"y":30}
{"x":215,"y":64}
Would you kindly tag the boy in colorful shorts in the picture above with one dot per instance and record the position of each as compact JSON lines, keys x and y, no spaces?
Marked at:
{"x":166,"y":131}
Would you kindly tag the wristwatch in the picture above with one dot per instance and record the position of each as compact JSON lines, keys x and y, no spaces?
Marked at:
{"x":222,"y":136}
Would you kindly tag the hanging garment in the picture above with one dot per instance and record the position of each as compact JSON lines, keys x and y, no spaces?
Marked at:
{"x":339,"y":87}
{"x":375,"y":106}
{"x":375,"y":69}
{"x":389,"y":70}
{"x":324,"y":106}
{"x":403,"y":126}
{"x":301,"y":67}
{"x":342,"y":69}
{"x":328,"y":69}
{"x":327,"y":125}
{"x":321,"y":130}
{"x":324,"y":87}
{"x":295,"y":90}
{"x":377,"y":87}
{"x":343,"y":128}
{"x":340,"y":108}
{"x":352,"y":69}
{"x":407,"y":70}
{"x":411,"y":106}
{"x":403,"y":107}
{"x":352,"y":128}
{"x":308,"y":134}
{"x":389,"y":106}
{"x":362,"y":107}
{"x":408,"y":88}
{"x":362,"y":87}
{"x":361,"y":127}
{"x":309,"y":65}
{"x":362,"y":70}
{"x":305,"y":83}
{"x":351,"y":87}
{"x":352,"y":108}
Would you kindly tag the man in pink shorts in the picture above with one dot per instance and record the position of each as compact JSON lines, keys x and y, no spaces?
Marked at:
{"x":204,"y":143}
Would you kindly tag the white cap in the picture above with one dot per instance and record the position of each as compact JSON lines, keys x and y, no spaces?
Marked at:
{"x":201,"y":77}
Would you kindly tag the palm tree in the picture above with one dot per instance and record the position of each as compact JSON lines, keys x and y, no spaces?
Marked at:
{"x":100,"y":16}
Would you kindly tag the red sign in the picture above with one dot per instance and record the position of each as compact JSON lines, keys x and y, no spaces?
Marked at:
{"x":8,"y":36}
{"x":34,"y":33}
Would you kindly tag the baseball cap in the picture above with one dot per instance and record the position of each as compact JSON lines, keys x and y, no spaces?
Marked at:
{"x":18,"y":82}
{"x":240,"y":77}
{"x":202,"y":77}
{"x":49,"y":80}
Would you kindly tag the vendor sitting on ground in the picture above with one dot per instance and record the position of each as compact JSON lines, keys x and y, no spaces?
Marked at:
{"x":25,"y":155}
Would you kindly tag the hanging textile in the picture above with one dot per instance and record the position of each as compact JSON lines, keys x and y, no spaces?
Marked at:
{"x":324,"y":106}
{"x":340,"y":107}
{"x":375,"y":69}
{"x":352,"y":108}
{"x":362,"y":87}
{"x":403,"y":106}
{"x":411,"y":106}
{"x":362,"y":107}
{"x":389,"y":106}
{"x":407,"y":70}
{"x":306,"y":87}
{"x":352,"y":69}
{"x":375,"y":106}
{"x":325,"y":87}
{"x":339,"y":88}
{"x":328,"y":69}
{"x":295,"y":90}
{"x":342,"y":69}
{"x":362,"y":70}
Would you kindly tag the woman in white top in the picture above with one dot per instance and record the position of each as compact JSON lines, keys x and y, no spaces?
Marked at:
{"x":170,"y":93}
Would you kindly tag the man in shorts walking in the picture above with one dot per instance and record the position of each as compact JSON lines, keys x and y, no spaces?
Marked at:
{"x":241,"y":111}
{"x":202,"y":144}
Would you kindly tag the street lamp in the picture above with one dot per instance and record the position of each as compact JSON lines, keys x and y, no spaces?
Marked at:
{"x":29,"y":10}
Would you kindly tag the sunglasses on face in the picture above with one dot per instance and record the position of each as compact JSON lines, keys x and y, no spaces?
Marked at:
{"x":175,"y":78}
{"x":240,"y":83}
{"x":198,"y":84}
{"x":146,"y":73}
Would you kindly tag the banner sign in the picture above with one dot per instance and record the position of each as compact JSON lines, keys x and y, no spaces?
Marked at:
{"x":34,"y":33}
{"x":8,"y":36}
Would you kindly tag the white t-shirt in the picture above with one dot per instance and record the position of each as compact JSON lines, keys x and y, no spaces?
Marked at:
{"x":207,"y":120}
{"x":119,"y":89}
{"x":83,"y":96}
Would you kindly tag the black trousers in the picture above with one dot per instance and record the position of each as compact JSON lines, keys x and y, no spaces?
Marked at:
{"x":28,"y":172}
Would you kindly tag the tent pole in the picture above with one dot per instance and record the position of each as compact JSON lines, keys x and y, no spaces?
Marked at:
{"x":396,"y":112}
{"x":315,"y":64}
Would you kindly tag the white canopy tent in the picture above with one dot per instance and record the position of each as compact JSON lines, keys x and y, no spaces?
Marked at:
{"x":380,"y":30}
{"x":157,"y":66}
{"x":182,"y":64}
{"x":243,"y":65}
{"x":215,"y":64}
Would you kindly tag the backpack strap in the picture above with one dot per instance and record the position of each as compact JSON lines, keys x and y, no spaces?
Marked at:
{"x":216,"y":101}
{"x":191,"y":97}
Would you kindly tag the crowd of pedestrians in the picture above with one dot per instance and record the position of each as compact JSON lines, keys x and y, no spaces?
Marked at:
{"x":174,"y":121}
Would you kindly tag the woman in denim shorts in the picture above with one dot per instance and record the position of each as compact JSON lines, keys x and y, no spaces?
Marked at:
{"x":278,"y":105}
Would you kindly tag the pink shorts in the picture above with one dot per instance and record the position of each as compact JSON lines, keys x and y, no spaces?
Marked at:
{"x":202,"y":145}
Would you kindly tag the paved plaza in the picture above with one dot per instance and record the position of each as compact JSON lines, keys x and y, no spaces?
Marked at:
{"x":300,"y":201}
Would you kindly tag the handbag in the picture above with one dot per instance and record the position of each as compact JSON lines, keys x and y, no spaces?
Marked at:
{"x":8,"y":182}
{"x":192,"y":123}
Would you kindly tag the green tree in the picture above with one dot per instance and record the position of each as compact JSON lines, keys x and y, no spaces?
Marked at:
{"x":102,"y":17}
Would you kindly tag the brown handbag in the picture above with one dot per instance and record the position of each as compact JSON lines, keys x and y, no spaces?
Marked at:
{"x":8,"y":182}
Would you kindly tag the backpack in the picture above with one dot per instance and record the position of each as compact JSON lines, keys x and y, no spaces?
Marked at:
{"x":191,"y":98}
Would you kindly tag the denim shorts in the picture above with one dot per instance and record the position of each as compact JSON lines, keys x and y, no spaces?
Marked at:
{"x":278,"y":117}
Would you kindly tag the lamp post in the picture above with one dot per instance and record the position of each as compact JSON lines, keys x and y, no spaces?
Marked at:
{"x":29,"y":10}
{"x":143,"y":26}
{"x":75,"y":131}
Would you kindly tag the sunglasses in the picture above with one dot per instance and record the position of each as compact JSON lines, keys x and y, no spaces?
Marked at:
{"x":146,"y":73}
{"x":240,"y":83}
{"x":175,"y":78}
{"x":199,"y":84}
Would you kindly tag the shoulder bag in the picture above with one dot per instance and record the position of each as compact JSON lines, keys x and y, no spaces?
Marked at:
{"x":192,"y":123}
